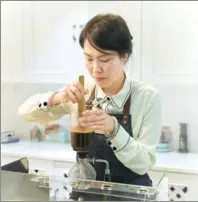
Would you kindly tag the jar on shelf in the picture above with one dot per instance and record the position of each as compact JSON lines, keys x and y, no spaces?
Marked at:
{"x":164,"y":144}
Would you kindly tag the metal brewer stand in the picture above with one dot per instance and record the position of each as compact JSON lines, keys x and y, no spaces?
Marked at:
{"x":18,"y":184}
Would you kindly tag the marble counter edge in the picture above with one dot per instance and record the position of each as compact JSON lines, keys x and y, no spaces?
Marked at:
{"x":70,"y":158}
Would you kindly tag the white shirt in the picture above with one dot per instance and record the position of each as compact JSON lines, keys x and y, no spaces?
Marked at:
{"x":137,"y":152}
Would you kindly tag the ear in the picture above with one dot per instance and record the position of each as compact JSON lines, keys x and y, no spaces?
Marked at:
{"x":124,"y":58}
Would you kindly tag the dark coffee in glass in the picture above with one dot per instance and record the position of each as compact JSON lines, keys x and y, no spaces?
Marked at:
{"x":81,"y":140}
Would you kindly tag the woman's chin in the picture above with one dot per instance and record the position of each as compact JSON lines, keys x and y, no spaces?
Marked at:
{"x":101,"y":83}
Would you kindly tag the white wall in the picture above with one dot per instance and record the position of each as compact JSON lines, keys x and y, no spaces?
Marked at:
{"x":11,"y":41}
{"x":179,"y":104}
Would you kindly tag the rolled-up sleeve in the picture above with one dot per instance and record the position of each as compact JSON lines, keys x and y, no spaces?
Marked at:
{"x":35,"y":108}
{"x":139,"y":154}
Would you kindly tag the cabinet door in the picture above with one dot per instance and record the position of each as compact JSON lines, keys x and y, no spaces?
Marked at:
{"x":61,"y":169}
{"x":169,"y":42}
{"x":131,"y":12}
{"x":50,"y":51}
{"x":185,"y":179}
{"x":11,"y":37}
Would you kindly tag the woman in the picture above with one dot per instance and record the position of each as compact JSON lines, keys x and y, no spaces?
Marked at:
{"x":127,"y":111}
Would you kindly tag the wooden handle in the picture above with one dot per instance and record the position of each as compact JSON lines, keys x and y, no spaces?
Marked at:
{"x":81,"y":103}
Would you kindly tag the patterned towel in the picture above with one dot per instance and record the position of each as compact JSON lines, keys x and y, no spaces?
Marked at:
{"x":9,"y":137}
{"x":178,"y":192}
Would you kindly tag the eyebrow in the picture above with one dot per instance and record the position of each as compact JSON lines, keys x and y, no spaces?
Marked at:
{"x":105,"y":54}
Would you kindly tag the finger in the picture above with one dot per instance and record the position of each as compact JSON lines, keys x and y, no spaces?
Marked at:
{"x":92,"y":118}
{"x":86,"y":91}
{"x":98,"y":124}
{"x":98,"y":127}
{"x":76,"y":92}
{"x":79,"y":86}
{"x":72,"y":96}
{"x":94,"y":111}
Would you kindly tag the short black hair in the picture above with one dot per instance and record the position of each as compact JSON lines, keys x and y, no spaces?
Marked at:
{"x":108,"y":32}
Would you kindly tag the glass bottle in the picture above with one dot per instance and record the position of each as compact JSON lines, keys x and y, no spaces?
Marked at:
{"x":82,"y":170}
{"x":183,"y":140}
{"x":81,"y":138}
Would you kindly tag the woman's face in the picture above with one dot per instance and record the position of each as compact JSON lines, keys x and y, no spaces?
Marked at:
{"x":105,"y":67}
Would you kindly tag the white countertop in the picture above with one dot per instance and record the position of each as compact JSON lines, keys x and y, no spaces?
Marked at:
{"x":171,"y":161}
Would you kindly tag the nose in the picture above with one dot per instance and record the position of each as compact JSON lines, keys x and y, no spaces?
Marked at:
{"x":96,"y":67}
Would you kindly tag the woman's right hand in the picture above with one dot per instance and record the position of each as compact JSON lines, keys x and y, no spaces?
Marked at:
{"x":73,"y":92}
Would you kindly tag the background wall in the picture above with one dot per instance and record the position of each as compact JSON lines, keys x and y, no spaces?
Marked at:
{"x":24,"y":65}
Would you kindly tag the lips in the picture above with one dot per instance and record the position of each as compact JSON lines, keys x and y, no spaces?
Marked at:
{"x":99,"y":79}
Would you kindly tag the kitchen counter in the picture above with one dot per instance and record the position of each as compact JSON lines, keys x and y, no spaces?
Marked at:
{"x":170,"y":162}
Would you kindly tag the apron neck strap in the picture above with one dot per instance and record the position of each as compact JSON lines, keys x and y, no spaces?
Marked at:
{"x":126,"y":110}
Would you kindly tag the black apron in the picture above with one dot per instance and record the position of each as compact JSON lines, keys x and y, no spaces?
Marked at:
{"x":102,"y":150}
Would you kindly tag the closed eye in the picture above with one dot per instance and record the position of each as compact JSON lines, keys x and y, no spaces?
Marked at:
{"x":107,"y":60}
{"x":104,"y":60}
{"x":89,"y":59}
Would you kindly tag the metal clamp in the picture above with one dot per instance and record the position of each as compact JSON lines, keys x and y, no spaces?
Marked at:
{"x":42,"y":181}
{"x":107,"y":176}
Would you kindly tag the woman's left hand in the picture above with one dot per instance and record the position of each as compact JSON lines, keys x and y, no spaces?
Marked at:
{"x":98,"y":120}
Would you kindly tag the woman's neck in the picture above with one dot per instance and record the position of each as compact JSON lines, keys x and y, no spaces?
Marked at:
{"x":116,"y":87}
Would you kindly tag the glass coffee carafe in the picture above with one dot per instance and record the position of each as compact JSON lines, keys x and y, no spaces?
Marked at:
{"x":81,"y":142}
{"x":81,"y":138}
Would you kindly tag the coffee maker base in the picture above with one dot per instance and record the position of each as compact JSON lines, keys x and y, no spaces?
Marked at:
{"x":82,"y":196}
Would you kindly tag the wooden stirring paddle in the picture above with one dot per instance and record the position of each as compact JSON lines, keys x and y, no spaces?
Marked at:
{"x":81,"y":103}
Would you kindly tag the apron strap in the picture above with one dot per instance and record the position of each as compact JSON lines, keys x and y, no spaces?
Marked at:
{"x":126,"y":110}
{"x":91,"y":99}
